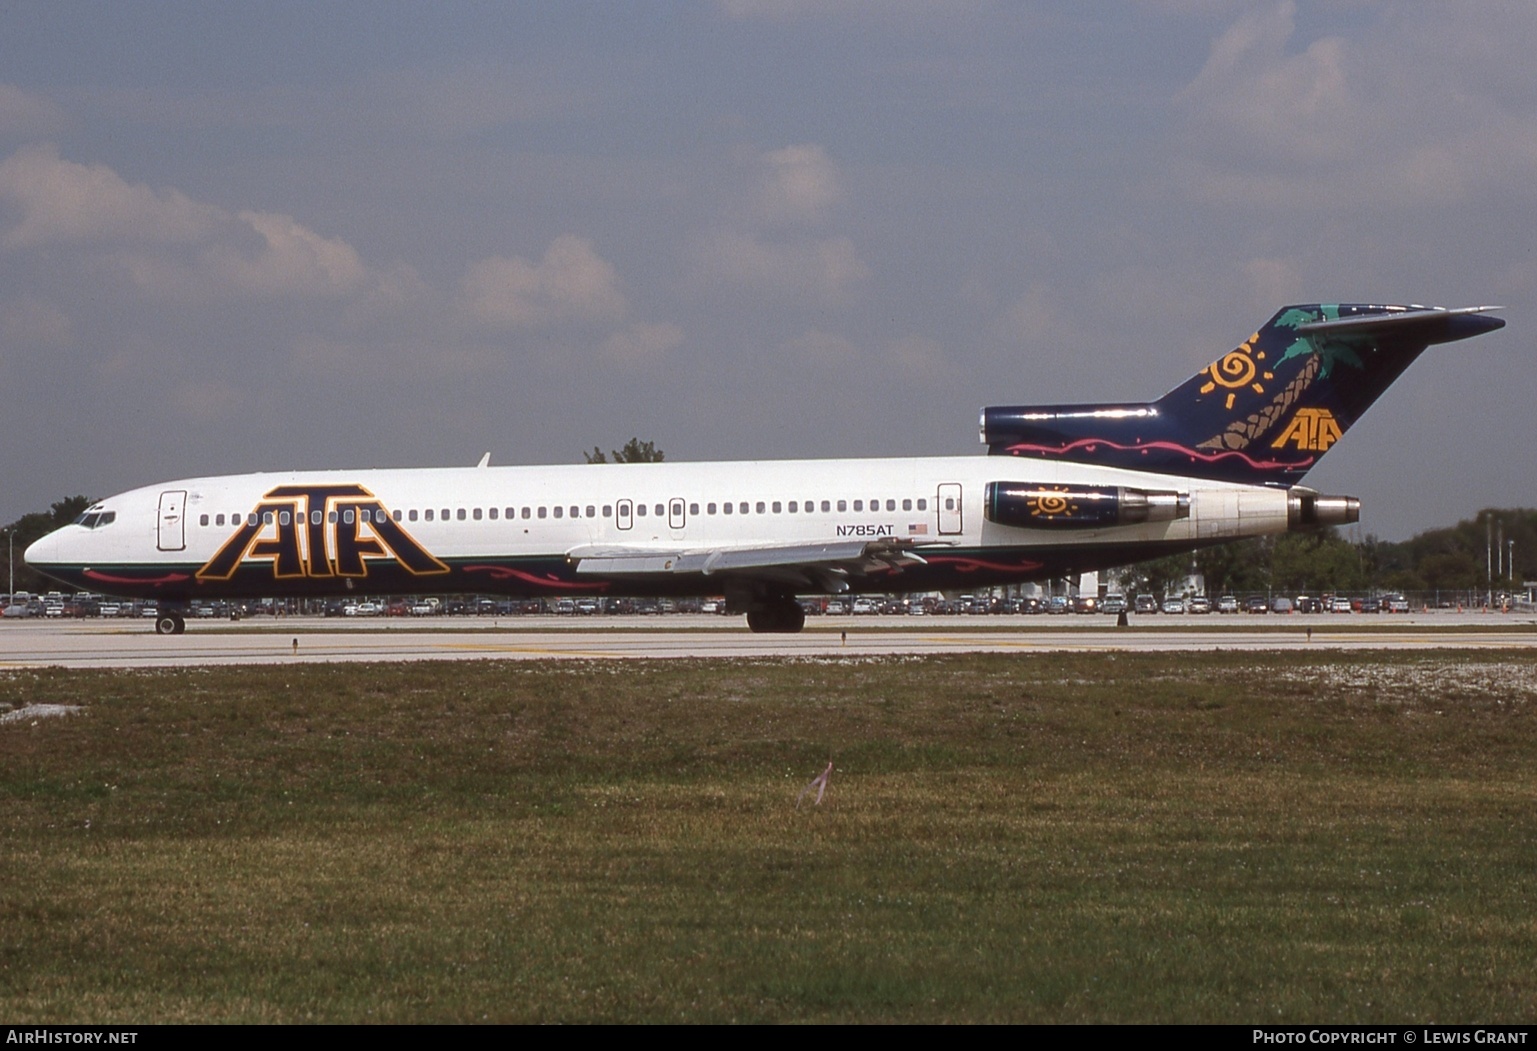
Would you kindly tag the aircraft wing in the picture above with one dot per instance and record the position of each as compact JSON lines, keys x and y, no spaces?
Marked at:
{"x":822,"y":567}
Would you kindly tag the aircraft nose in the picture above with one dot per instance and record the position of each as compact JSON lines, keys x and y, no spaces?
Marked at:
{"x":43,"y":552}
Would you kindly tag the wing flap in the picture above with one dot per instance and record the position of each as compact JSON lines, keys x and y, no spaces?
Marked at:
{"x":812,"y":561}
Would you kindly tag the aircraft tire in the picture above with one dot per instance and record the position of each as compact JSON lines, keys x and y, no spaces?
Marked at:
{"x":170,"y":624}
{"x":783,"y":617}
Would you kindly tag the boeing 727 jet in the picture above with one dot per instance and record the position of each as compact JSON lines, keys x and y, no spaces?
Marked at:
{"x":1065,"y":489}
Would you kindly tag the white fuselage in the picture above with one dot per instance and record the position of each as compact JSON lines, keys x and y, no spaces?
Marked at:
{"x":197,"y":529}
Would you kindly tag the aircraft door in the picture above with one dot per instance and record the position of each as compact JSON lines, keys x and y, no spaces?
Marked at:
{"x":624,"y":514}
{"x":948,"y":505}
{"x":171,"y":521}
{"x":676,"y":516}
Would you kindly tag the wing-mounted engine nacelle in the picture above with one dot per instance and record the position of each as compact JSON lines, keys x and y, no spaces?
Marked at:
{"x":1305,"y":509}
{"x":1026,"y":505}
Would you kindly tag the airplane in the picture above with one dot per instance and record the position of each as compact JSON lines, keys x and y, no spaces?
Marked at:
{"x":1065,"y":489}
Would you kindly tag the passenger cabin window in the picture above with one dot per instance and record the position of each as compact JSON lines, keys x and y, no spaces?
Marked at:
{"x":429,"y":514}
{"x":202,"y":520}
{"x":726,"y":509}
{"x":475,"y":514}
{"x":559,"y":511}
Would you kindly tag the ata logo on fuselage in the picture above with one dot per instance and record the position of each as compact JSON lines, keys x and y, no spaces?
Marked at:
{"x":315,"y":531}
{"x":1311,"y":429}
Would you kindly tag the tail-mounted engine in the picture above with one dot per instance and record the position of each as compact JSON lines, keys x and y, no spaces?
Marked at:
{"x":1027,"y":505}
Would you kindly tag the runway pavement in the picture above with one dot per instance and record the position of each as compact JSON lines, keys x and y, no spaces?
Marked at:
{"x":132,"y":644}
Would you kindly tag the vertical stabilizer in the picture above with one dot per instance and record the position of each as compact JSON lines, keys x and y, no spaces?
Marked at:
{"x":1263,"y":413}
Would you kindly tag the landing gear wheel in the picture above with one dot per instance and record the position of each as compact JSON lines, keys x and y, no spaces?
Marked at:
{"x":170,"y":624}
{"x":781,"y":616}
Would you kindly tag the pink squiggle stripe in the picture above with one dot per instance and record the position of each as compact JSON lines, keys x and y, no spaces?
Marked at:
{"x":107,"y":578}
{"x":1089,"y":443}
{"x":971,"y":565}
{"x":507,"y":573}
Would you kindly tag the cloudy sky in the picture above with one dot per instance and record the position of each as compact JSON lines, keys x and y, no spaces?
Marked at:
{"x":244,"y":237}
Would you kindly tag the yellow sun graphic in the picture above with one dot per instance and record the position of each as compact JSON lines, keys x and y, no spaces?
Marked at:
{"x":1236,"y":369}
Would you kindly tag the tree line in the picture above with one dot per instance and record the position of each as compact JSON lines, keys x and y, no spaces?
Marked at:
{"x":1496,"y":548}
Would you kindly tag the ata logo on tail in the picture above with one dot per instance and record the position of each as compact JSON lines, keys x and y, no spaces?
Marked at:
{"x":1311,"y":429}
{"x":320,"y":531}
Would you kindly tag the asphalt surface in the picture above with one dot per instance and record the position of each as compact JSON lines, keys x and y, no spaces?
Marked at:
{"x":266,"y":640}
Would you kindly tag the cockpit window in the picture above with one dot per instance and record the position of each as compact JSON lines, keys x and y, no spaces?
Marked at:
{"x":96,"y":519}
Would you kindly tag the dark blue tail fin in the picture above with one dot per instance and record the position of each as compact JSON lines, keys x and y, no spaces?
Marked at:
{"x":1264,"y":413}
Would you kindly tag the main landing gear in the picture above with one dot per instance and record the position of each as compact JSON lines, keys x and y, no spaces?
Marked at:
{"x":777,"y":613}
{"x":170,"y":622}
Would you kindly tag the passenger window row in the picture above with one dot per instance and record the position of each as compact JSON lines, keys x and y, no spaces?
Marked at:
{"x":494,"y":514}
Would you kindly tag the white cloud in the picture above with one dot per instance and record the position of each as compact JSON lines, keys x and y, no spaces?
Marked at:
{"x":571,"y":283}
{"x":827,"y":270}
{"x":1414,"y":111}
{"x":799,"y":183}
{"x":643,"y":342}
{"x":1036,"y":321}
{"x":289,"y":260}
{"x":166,"y":243}
{"x":62,"y":202}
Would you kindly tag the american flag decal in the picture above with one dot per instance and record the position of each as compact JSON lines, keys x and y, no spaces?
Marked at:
{"x":918,"y":529}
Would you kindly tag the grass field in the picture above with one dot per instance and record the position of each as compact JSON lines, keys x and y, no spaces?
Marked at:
{"x":1222,"y":837}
